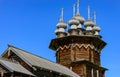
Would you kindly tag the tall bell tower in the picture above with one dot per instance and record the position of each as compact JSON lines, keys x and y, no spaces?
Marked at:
{"x":79,"y":48}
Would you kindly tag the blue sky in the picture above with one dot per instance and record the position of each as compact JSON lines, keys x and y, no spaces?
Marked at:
{"x":30,"y":25}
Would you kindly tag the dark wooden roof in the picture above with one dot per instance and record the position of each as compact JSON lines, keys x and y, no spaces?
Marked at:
{"x":90,"y":64}
{"x":14,"y":67}
{"x":96,"y":41}
{"x":34,"y":60}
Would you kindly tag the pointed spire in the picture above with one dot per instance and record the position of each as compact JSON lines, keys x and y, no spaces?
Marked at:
{"x":78,"y":16}
{"x":96,"y":28}
{"x":61,"y":26}
{"x":88,"y":12}
{"x":73,"y":10}
{"x":95,"y":17}
{"x":61,"y":23}
{"x":62,"y":14}
{"x":78,"y":6}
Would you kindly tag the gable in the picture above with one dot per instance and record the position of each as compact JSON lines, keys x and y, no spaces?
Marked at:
{"x":34,"y":60}
{"x":10,"y":54}
{"x":13,"y":67}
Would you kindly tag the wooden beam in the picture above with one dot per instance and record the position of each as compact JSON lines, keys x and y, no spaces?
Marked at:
{"x":2,"y":74}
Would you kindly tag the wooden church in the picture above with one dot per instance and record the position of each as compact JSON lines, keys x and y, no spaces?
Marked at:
{"x":15,"y":62}
{"x":78,"y":51}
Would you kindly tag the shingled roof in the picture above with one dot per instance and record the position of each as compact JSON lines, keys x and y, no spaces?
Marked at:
{"x":14,"y":67}
{"x":34,"y":60}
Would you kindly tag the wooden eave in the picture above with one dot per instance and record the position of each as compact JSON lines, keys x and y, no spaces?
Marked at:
{"x":34,"y":60}
{"x":89,"y":64}
{"x":37,"y":67}
{"x":97,"y":42}
{"x":13,"y":67}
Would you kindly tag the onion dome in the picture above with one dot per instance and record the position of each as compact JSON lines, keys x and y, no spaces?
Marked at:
{"x":56,"y":31}
{"x":61,"y":24}
{"x":73,"y":24}
{"x":73,"y":21}
{"x":89,"y":23}
{"x":79,"y":18}
{"x":59,"y":30}
{"x":96,"y":28}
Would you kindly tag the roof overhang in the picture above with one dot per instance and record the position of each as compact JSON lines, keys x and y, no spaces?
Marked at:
{"x":96,"y":41}
{"x":90,"y":64}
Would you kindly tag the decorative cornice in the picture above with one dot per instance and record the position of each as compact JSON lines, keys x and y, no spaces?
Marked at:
{"x":64,"y":47}
{"x":76,"y":45}
{"x":95,"y":41}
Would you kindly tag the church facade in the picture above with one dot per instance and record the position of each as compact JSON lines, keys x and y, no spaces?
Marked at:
{"x":78,"y":51}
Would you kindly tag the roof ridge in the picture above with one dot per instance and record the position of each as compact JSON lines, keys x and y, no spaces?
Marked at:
{"x":30,"y":53}
{"x":37,"y":56}
{"x":15,"y":47}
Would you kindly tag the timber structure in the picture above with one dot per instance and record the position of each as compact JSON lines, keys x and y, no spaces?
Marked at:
{"x":80,"y":47}
{"x":78,"y":51}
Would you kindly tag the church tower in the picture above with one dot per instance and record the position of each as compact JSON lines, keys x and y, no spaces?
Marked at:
{"x":79,"y":48}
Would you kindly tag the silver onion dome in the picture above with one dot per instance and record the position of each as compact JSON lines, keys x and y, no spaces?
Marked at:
{"x":89,"y":23}
{"x":79,"y":18}
{"x":59,"y":30}
{"x":61,"y":24}
{"x":96,"y":28}
{"x":73,"y":21}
